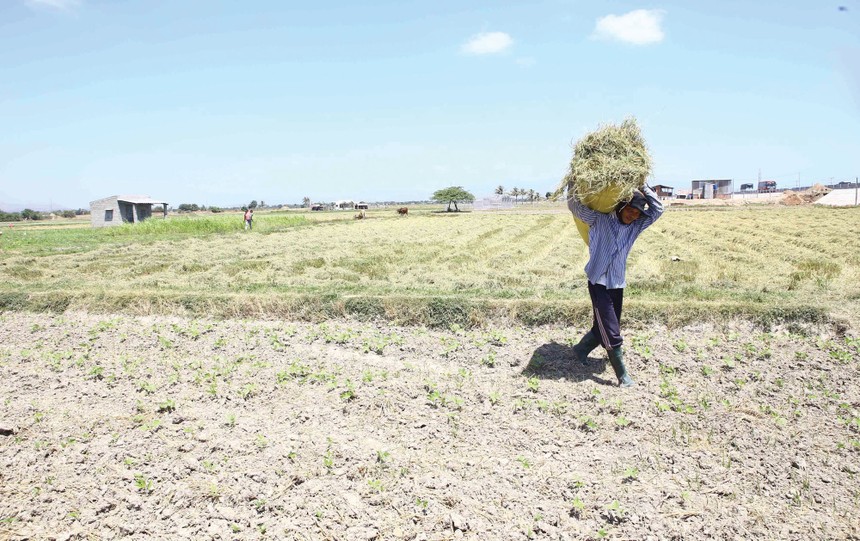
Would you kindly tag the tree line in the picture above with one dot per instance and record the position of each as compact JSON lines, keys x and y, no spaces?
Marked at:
{"x":527,"y":195}
{"x":30,"y":214}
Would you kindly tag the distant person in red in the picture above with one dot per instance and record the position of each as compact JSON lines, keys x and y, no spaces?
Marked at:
{"x":249,"y":218}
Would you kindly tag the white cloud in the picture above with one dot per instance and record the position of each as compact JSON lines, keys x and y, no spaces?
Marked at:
{"x":487,"y":43}
{"x":639,"y":27}
{"x":54,"y":4}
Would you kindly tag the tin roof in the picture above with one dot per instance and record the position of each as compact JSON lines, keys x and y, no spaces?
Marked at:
{"x":139,"y":200}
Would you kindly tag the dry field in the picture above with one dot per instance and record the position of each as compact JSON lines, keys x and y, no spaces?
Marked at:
{"x":171,"y":428}
{"x":262,"y":385}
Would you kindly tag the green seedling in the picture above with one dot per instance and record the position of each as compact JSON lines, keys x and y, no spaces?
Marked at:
{"x":147,"y":387}
{"x":587,"y":423}
{"x":142,"y":483}
{"x":489,"y":359}
{"x":261,"y":442}
{"x":577,"y":507}
{"x":631,"y":473}
{"x":348,"y":394}
{"x":167,"y":406}
{"x":248,"y":390}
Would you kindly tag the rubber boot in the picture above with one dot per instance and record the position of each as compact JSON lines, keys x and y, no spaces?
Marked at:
{"x":585,"y":346}
{"x":616,"y":358}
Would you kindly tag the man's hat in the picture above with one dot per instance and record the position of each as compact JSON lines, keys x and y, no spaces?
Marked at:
{"x":638,"y":201}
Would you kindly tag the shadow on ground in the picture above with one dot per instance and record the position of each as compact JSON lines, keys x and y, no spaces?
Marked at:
{"x":556,"y":361}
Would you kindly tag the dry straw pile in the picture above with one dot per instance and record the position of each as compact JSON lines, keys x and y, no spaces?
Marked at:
{"x":612,"y":159}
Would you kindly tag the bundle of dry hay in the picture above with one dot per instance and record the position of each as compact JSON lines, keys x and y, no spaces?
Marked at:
{"x":610,"y":159}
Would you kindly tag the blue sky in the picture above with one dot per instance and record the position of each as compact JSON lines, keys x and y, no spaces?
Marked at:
{"x":218,"y":103}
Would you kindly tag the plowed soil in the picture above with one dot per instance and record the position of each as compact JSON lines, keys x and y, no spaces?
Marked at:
{"x":165,"y":428}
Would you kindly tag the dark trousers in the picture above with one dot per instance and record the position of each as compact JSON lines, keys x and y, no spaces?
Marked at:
{"x":606,"y":304}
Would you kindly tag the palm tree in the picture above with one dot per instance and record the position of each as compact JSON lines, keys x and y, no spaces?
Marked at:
{"x":515,"y":192}
{"x":306,"y":202}
{"x":500,"y":190}
{"x":531,"y":195}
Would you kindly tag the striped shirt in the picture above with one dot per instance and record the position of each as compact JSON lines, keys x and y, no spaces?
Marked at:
{"x":609,"y":240}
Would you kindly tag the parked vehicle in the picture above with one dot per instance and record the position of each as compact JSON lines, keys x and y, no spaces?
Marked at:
{"x":766,"y":186}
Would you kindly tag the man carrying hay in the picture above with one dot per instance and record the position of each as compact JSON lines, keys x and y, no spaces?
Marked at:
{"x":611,"y":236}
{"x":611,"y":205}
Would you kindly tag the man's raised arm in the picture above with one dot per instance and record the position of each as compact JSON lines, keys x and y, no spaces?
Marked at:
{"x":581,"y":211}
{"x":655,"y":207}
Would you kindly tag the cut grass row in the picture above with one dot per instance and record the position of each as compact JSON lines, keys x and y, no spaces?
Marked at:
{"x":779,"y":263}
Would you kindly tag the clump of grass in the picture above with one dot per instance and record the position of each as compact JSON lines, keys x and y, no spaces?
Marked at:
{"x":821,"y":271}
{"x":613,"y":156}
{"x":155,"y":227}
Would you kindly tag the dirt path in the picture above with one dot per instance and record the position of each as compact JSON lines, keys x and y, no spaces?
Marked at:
{"x":156,"y":428}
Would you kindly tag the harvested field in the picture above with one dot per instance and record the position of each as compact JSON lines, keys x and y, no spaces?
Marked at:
{"x":437,"y":268}
{"x":150,"y":427}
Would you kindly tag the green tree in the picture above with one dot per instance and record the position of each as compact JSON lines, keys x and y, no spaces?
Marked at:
{"x":306,"y":202}
{"x":515,"y":193}
{"x":252,"y":204}
{"x":453,"y":194}
{"x":500,"y":190}
{"x":29,"y":214}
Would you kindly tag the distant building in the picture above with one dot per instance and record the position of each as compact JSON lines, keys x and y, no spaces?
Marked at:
{"x":120,"y":209}
{"x":361,"y":205}
{"x":344,"y":204}
{"x":493,"y":202}
{"x":664,"y":192}
{"x":713,"y":189}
